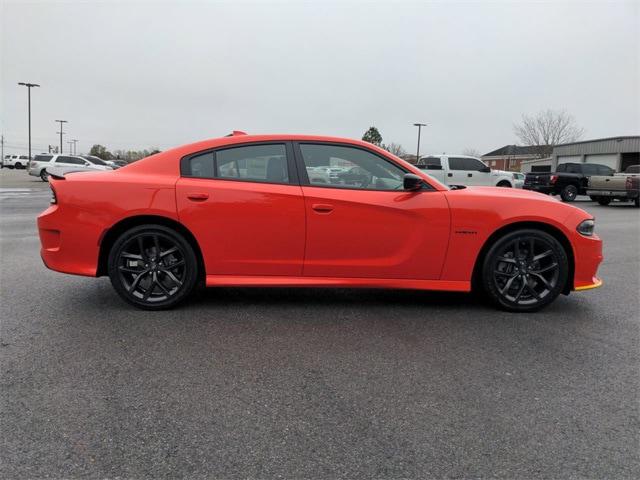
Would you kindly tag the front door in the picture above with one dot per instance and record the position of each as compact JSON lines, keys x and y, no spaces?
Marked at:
{"x":245,"y":209}
{"x":364,"y":225}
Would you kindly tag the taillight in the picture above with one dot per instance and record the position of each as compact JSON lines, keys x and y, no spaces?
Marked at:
{"x":54,"y":199}
{"x":632,"y":183}
{"x":553,"y":179}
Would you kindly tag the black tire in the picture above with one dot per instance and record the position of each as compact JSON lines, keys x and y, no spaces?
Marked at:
{"x":152,"y":267}
{"x":18,"y":165}
{"x":504,"y":184}
{"x":569,"y":193}
{"x":637,"y":202}
{"x":604,"y":201}
{"x":44,"y":176}
{"x":525,"y":270}
{"x":593,"y":198}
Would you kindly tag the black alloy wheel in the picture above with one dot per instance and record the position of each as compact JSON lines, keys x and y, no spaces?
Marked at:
{"x":569,"y":193}
{"x":152,"y":267}
{"x":525,"y":270}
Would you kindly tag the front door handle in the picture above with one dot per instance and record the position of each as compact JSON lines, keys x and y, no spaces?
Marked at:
{"x":322,"y":207}
{"x":197,"y":197}
{"x":469,"y":174}
{"x":449,"y":174}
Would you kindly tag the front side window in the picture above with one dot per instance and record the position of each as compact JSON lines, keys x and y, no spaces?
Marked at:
{"x":432,"y":163}
{"x":349,"y":167}
{"x":260,"y":163}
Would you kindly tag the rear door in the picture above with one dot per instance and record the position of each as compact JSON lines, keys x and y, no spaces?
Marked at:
{"x":466,"y":171}
{"x":372,"y":228}
{"x":245,"y":207}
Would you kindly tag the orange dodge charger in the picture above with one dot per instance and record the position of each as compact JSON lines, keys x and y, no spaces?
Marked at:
{"x":314,"y":211}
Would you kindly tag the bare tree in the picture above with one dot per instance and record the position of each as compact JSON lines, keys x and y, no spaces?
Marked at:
{"x":548,"y":129}
{"x":395,"y":148}
{"x":472,"y":152}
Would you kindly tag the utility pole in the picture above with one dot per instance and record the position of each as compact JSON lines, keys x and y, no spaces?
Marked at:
{"x":29,"y":87}
{"x":61,"y":133}
{"x":419,"y":125}
{"x":75,"y":150}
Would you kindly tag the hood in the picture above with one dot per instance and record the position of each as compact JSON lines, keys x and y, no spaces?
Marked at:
{"x":506,"y":193}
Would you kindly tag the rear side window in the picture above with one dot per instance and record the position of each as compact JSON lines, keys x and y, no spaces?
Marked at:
{"x":42,"y":158}
{"x":258,"y":163}
{"x":458,"y":163}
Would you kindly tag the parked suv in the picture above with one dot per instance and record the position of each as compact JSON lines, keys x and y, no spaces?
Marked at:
{"x":38,"y":166}
{"x":569,"y":180}
{"x":464,"y":170}
{"x":15,"y":161}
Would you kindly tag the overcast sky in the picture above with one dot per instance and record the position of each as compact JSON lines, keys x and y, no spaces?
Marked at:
{"x":142,"y":74}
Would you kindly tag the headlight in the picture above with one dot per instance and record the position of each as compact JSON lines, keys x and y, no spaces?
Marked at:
{"x":586,"y":227}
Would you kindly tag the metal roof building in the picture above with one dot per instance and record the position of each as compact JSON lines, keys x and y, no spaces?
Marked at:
{"x":615,"y":152}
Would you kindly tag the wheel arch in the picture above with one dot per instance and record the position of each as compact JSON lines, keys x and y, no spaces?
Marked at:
{"x":110,"y":236}
{"x":504,"y":182}
{"x":545,"y":227}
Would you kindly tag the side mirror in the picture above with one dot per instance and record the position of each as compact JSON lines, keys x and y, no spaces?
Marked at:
{"x":412,"y":182}
{"x":484,"y":169}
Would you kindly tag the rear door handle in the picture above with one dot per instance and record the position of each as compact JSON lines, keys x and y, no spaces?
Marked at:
{"x":469,"y":174}
{"x":322,"y":207}
{"x":197,"y":197}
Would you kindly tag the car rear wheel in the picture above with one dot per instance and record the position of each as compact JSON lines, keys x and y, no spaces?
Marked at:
{"x":44,"y":176}
{"x":504,"y":183}
{"x":604,"y":200}
{"x":525,"y":270}
{"x":152,"y":267}
{"x":569,"y":193}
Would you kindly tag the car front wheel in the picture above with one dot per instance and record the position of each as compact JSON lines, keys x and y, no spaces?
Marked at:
{"x":44,"y":176}
{"x":152,"y":267}
{"x":525,"y":270}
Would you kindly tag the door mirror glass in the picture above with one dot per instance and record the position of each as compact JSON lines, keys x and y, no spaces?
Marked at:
{"x":412,"y":182}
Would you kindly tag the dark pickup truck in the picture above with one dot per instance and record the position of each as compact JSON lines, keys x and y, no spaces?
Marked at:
{"x":569,"y":180}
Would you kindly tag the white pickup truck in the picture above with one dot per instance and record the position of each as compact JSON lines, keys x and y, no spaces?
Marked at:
{"x":464,"y":170}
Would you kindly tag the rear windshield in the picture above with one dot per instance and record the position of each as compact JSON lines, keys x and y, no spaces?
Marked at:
{"x":94,"y":160}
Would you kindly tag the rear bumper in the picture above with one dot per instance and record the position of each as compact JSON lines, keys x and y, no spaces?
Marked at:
{"x":539,"y":188}
{"x":613,"y":193}
{"x":64,"y":246}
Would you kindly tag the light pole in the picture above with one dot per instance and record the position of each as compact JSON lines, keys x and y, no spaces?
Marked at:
{"x":61,"y":133}
{"x":29,"y":87}
{"x":419,"y":125}
{"x":75,"y":149}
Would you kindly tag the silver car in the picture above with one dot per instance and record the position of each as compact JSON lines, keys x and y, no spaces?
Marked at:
{"x":38,"y":166}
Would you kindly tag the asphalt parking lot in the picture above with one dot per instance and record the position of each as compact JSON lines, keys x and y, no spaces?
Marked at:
{"x":262,"y":383}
